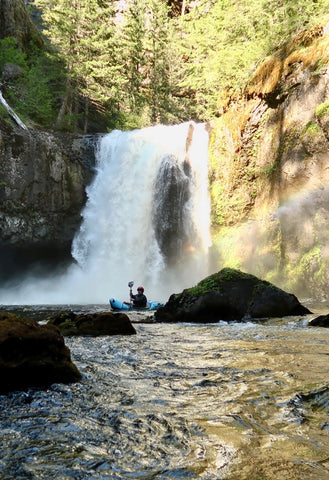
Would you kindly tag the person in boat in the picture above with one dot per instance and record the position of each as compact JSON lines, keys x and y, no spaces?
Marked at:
{"x":139,"y":300}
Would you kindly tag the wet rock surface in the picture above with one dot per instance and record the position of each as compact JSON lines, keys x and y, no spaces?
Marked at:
{"x":42,"y":192}
{"x":320,"y":321}
{"x":104,"y":323}
{"x":32,"y":355}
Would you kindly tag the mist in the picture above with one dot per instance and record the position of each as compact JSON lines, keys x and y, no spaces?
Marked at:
{"x":119,"y":238}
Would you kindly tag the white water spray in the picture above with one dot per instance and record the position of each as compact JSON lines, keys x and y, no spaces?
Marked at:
{"x":119,"y":239}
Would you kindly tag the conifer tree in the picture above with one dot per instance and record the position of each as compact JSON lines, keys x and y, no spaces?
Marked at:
{"x":98,"y":69}
{"x":84,"y":33}
{"x":133,"y":44}
{"x":158,"y":50}
{"x":146,"y":46}
{"x":61,"y":21}
{"x":167,"y":61}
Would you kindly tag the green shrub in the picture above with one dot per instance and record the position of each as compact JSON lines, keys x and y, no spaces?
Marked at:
{"x":11,"y":53}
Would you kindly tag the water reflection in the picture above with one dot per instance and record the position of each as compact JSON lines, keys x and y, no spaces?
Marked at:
{"x":210,"y":402}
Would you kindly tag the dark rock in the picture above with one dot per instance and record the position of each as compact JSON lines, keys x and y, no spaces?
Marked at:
{"x":32,"y":355}
{"x":42,"y":197}
{"x":41,"y":200}
{"x":229,"y":295}
{"x":11,"y":71}
{"x":105,"y":323}
{"x":171,"y":189}
{"x":321,"y":321}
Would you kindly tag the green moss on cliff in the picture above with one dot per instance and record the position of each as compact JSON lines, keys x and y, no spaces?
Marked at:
{"x":322,"y":109}
{"x":5,"y":117}
{"x":311,"y":129}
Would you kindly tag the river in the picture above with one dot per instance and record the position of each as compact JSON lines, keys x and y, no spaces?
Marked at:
{"x":222,"y":401}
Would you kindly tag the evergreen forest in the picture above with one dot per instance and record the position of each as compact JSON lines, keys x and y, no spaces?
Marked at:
{"x":96,"y":65}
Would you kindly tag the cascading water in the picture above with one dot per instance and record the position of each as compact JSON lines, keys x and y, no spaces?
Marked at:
{"x":147,"y":215}
{"x":146,"y":219}
{"x":12,"y":113}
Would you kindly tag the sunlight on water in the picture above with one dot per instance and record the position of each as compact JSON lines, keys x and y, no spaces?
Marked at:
{"x":178,"y":402}
{"x":117,"y":240}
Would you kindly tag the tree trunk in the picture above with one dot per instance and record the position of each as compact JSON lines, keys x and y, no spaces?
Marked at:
{"x":65,"y":103}
{"x":86,"y":115}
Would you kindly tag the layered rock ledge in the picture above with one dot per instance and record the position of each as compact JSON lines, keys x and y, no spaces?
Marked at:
{"x":230,"y":295}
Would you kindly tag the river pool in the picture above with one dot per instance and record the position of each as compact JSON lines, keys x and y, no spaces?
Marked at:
{"x":238,"y":401}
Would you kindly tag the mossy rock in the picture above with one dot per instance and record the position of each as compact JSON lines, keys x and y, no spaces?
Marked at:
{"x":229,"y":295}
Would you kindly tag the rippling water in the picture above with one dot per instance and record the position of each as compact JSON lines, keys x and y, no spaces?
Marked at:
{"x":210,"y":402}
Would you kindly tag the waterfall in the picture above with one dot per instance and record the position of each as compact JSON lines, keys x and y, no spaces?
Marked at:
{"x":12,"y":113}
{"x":146,"y":219}
{"x":147,"y":214}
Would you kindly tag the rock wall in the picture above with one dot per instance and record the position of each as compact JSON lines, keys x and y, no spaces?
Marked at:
{"x":270,"y":172}
{"x":16,"y":22}
{"x":42,"y":192}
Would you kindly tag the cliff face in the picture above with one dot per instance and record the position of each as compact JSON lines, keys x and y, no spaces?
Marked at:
{"x":15,"y":22}
{"x":270,"y":171}
{"x":42,"y":192}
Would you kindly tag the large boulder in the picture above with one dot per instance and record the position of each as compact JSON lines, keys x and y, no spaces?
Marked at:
{"x":229,"y":295}
{"x":94,"y":324}
{"x":32,"y":355}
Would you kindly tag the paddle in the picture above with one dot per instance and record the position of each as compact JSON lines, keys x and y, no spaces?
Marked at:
{"x":130,"y":285}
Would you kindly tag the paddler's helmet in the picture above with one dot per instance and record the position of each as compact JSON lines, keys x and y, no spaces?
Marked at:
{"x":140,"y":289}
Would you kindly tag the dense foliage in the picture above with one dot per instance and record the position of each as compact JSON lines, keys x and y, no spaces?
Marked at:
{"x":224,"y":40}
{"x":33,"y":91}
{"x":156,"y":61}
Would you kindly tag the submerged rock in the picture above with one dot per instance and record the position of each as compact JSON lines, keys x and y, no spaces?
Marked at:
{"x":105,"y":323}
{"x":229,"y":295}
{"x":32,"y":355}
{"x":321,"y":321}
